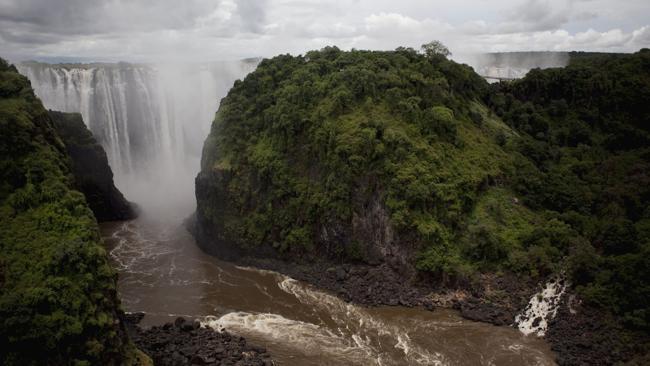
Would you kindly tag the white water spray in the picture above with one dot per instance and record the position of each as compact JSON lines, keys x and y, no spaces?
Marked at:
{"x":150,"y":119}
{"x":513,"y":65}
{"x":542,"y":308}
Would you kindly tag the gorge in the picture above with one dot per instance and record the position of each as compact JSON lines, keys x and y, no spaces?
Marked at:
{"x":353,"y":190}
{"x":152,"y":140}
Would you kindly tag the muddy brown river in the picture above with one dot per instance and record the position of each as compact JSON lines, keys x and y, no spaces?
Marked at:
{"x":164,"y":274}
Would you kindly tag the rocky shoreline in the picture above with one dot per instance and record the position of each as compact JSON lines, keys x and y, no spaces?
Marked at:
{"x":494,"y":299}
{"x":185,"y":343}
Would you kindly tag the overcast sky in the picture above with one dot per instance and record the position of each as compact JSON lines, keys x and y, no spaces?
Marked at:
{"x":201,"y":30}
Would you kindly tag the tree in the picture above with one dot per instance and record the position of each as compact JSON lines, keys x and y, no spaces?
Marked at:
{"x":435,"y":48}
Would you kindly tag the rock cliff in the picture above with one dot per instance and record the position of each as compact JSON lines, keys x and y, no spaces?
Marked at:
{"x":92,"y":174}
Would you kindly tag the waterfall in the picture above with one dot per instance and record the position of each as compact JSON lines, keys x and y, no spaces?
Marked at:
{"x":150,"y":118}
{"x":542,"y":308}
{"x":514,"y":65}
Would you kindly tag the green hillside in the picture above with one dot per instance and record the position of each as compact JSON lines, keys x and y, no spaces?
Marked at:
{"x":415,"y":160}
{"x":583,"y":159}
{"x":58,"y":301}
{"x":309,"y":154}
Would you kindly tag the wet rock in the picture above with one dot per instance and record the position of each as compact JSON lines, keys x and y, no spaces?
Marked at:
{"x":179,"y":322}
{"x":133,"y":318}
{"x":484,"y":312}
{"x":591,"y":336}
{"x":178,"y":359}
{"x":537,"y":321}
{"x":198,"y":360}
{"x":341,"y":274}
{"x":174,"y":345}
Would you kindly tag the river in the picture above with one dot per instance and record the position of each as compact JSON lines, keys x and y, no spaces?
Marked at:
{"x":163,"y":273}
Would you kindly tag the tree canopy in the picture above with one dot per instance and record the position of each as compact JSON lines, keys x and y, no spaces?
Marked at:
{"x":435,"y":48}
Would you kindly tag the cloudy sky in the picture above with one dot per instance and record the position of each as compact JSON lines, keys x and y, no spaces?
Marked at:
{"x":201,"y":30}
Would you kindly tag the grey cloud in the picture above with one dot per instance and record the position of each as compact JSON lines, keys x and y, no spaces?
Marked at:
{"x":28,"y":23}
{"x":585,"y":15}
{"x":54,"y":16}
{"x":216,"y":29}
{"x":83,"y":17}
{"x":29,"y":38}
{"x":252,"y":14}
{"x":535,"y":15}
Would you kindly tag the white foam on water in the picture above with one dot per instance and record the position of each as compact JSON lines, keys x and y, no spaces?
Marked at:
{"x":344,"y":314}
{"x":133,"y":249}
{"x":302,"y":336}
{"x":262,"y":272}
{"x":403,"y":344}
{"x":542,"y":308}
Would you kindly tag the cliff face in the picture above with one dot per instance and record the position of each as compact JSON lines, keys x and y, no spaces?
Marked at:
{"x":58,"y":299}
{"x":92,"y":174}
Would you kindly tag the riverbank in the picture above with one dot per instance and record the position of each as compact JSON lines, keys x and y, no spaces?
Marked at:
{"x":579,"y":335}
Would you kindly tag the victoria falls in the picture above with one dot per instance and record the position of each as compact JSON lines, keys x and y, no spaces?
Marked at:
{"x":183,"y":185}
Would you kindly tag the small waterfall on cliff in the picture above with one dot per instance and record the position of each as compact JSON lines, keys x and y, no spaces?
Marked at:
{"x":150,"y":119}
{"x":542,"y":308}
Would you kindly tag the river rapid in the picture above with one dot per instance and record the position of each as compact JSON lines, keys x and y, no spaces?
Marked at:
{"x":164,"y":274}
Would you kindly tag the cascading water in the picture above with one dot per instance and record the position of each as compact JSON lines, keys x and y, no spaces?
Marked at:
{"x":150,"y":119}
{"x":542,"y":308}
{"x":513,"y":65}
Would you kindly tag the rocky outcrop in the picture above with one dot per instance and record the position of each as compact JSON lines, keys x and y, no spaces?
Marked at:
{"x":585,"y":335}
{"x":186,"y":342}
{"x":92,"y":174}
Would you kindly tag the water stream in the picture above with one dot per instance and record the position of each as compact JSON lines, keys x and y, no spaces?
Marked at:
{"x":164,"y":274}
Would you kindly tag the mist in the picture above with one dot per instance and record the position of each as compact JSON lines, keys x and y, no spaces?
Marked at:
{"x":151,"y":119}
{"x":512,"y":65}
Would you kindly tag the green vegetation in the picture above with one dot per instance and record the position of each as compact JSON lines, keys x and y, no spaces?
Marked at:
{"x":58,"y":300}
{"x":345,"y":155}
{"x":305,"y":144}
{"x":583,"y":158}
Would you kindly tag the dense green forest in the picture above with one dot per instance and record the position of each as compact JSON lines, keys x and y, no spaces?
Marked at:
{"x":58,"y":300}
{"x":412,"y":158}
{"x":582,"y":158}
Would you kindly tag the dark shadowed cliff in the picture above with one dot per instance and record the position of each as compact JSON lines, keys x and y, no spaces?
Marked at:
{"x":92,"y":174}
